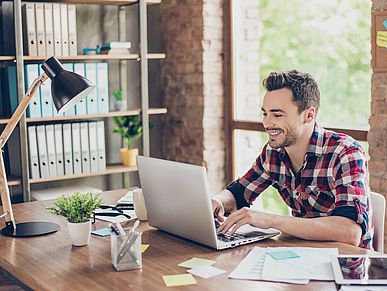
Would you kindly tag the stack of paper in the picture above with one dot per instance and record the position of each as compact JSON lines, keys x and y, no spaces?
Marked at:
{"x":295,"y":265}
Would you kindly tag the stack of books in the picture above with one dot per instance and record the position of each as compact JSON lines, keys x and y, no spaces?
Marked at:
{"x":116,"y":48}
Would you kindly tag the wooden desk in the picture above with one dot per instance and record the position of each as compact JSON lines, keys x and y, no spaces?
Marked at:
{"x":51,"y":263}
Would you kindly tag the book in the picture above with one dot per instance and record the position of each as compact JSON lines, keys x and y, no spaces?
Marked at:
{"x":117,"y":45}
{"x":115,"y":52}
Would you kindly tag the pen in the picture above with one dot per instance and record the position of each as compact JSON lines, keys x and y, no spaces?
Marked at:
{"x":120,"y":229}
{"x":114,"y":229}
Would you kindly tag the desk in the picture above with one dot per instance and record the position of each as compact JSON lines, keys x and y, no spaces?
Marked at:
{"x":51,"y":263}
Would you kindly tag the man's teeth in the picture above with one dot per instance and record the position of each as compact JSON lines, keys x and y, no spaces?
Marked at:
{"x":274,"y":132}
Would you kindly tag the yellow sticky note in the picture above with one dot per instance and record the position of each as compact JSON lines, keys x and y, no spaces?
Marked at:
{"x":179,"y":280}
{"x":144,"y":247}
{"x":381,"y":38}
{"x":196,"y":262}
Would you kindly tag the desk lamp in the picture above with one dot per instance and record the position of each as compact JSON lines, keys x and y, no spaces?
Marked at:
{"x":67,"y":88}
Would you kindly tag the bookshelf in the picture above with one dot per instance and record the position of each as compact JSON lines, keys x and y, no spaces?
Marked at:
{"x":142,"y":57}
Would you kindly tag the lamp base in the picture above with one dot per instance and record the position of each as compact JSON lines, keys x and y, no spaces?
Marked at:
{"x":29,"y":229}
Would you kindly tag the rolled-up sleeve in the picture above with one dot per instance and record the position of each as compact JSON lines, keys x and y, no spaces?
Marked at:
{"x":248,"y":187}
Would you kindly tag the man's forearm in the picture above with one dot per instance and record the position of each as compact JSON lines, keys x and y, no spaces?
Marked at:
{"x":331,"y":228}
{"x":227,"y":200}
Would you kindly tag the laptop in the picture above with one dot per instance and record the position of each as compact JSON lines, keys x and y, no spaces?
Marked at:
{"x":178,"y":201}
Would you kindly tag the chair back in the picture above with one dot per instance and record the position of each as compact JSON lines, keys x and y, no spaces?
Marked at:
{"x":378,"y":203}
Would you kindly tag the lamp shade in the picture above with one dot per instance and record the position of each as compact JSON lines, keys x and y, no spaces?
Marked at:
{"x":67,"y":88}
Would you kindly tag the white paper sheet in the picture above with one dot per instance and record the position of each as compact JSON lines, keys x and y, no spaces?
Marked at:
{"x":206,"y":272}
{"x":115,"y":219}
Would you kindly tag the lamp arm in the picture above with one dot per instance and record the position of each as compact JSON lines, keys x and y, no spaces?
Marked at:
{"x":21,"y":109}
{"x":4,"y":190}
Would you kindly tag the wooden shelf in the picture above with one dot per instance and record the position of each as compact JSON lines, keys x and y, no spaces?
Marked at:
{"x":101,"y":57}
{"x":151,"y":111}
{"x":110,"y":169}
{"x":13,"y":181}
{"x":105,"y":2}
{"x":7,"y":58}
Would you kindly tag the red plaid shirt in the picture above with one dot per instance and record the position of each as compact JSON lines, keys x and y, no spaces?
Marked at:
{"x":332,"y":180}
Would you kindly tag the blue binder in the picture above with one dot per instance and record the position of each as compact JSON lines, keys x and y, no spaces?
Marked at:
{"x":103,"y":87}
{"x":91,"y":74}
{"x":12,"y":87}
{"x":31,"y":73}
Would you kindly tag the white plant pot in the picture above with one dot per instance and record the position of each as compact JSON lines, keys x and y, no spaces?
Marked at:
{"x":79,"y":233}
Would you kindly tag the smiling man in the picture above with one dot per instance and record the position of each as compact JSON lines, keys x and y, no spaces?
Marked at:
{"x":321,"y":175}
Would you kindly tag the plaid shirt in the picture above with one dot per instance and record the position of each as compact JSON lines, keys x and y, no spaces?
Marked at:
{"x":333,"y":177}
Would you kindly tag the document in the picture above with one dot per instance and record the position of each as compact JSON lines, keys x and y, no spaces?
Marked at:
{"x":72,"y":22}
{"x":30,"y":46}
{"x":33,"y":152}
{"x":75,"y":129}
{"x":31,"y":73}
{"x":59,"y":149}
{"x":48,"y":29}
{"x":51,"y":150}
{"x":115,"y":219}
{"x":85,"y":148}
{"x":57,"y":31}
{"x":45,"y":96}
{"x":91,"y":74}
{"x":42,"y":151}
{"x":80,"y":107}
{"x":40,"y":34}
{"x":67,"y":149}
{"x":206,"y":272}
{"x":101,"y":146}
{"x":103,"y":87}
{"x":93,"y":147}
{"x":64,"y":29}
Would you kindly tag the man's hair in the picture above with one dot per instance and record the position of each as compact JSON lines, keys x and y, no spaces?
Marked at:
{"x":304,"y":88}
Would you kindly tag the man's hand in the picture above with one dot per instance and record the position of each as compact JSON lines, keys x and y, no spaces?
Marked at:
{"x":218,"y":209}
{"x":244,"y":216}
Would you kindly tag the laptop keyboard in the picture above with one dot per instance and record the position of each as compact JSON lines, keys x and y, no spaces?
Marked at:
{"x":236,"y":236}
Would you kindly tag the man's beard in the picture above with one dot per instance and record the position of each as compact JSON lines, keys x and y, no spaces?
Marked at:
{"x":290,"y":139}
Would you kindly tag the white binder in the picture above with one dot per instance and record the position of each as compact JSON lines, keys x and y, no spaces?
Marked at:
{"x":59,"y":149}
{"x":29,"y":43}
{"x":72,"y":21}
{"x":42,"y":151}
{"x":85,"y":148}
{"x":80,"y":107}
{"x":91,"y":74}
{"x":64,"y":29}
{"x":71,"y":110}
{"x":77,"y":162}
{"x":48,"y":29}
{"x":93,"y":147}
{"x":31,"y":73}
{"x":57,"y":31}
{"x":51,"y":154}
{"x":40,"y":35}
{"x":33,"y":152}
{"x":101,"y":146}
{"x":68,"y":149}
{"x":103,"y":87}
{"x":45,"y":97}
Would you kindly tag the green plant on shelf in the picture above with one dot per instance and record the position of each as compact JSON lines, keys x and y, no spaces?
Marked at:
{"x":130,"y":128}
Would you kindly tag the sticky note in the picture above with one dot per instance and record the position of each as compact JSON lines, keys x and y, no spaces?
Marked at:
{"x":144,"y":247}
{"x":283,"y":255}
{"x":381,"y":38}
{"x":179,"y":280}
{"x":206,"y":272}
{"x":196,"y":262}
{"x":102,"y":232}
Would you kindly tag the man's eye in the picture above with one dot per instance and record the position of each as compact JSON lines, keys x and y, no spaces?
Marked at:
{"x":264,"y":114}
{"x":277,"y":115}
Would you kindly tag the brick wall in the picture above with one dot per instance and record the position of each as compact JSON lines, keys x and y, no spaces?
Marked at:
{"x":377,"y":136}
{"x":194,"y":90}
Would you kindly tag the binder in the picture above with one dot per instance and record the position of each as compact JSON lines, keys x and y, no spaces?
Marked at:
{"x":71,"y":110}
{"x":64,"y":29}
{"x":101,"y":146}
{"x":45,"y":97}
{"x":80,"y":107}
{"x":57,"y":31}
{"x":85,"y":148}
{"x":29,"y":43}
{"x":91,"y":74}
{"x":72,"y":22}
{"x":103,"y":87}
{"x":31,"y":73}
{"x":93,"y":147}
{"x":77,"y":162}
{"x":40,"y":35}
{"x":12,"y":87}
{"x":33,"y":153}
{"x":51,"y":154}
{"x":68,"y":149}
{"x":48,"y":29}
{"x":42,"y":151}
{"x":59,"y":149}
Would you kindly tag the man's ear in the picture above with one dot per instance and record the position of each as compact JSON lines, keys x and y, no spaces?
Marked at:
{"x":310,"y":114}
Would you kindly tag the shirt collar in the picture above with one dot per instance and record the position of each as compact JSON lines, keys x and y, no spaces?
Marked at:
{"x":316,"y":141}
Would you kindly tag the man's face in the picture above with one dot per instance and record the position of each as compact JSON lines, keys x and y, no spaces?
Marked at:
{"x":281,"y":119}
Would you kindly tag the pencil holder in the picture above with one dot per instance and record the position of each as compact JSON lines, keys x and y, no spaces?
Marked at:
{"x":126,"y":251}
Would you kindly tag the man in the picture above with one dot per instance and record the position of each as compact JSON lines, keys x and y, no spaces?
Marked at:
{"x":319,"y":174}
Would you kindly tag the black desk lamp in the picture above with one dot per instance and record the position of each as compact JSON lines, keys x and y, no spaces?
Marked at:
{"x":67,"y":88}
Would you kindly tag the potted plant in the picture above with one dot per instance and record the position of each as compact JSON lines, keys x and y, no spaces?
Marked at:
{"x":77,"y":209}
{"x":130,"y":128}
{"x":118,"y":102}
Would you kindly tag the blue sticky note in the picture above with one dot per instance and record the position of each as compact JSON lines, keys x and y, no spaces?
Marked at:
{"x":102,"y":232}
{"x":283,"y":255}
{"x":385,"y":23}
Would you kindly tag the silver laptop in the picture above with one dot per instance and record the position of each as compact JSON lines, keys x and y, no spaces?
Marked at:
{"x":177,"y":201}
